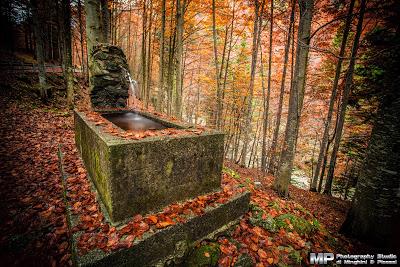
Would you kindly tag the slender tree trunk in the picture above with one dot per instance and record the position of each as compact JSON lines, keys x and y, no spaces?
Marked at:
{"x":149,"y":57}
{"x":180,"y":13}
{"x":38,"y":25}
{"x":112,"y":22}
{"x":217,"y":76}
{"x":116,"y":24}
{"x":128,"y":43}
{"x":333,"y":96}
{"x":170,"y":80}
{"x":328,"y":145}
{"x":94,"y":29}
{"x":144,"y":57}
{"x":321,"y":177}
{"x":161,"y":67}
{"x":272,"y":150}
{"x":253,"y":150}
{"x":282,"y":180}
{"x":227,"y":62}
{"x":345,"y":99}
{"x":51,"y":44}
{"x":84,"y":62}
{"x":67,"y":57}
{"x":266,"y":101}
{"x":312,"y":156}
{"x":248,"y":114}
{"x":105,"y":19}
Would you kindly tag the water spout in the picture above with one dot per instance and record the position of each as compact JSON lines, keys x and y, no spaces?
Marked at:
{"x":133,"y":88}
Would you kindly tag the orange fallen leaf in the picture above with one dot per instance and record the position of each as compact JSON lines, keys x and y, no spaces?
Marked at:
{"x":270,"y":260}
{"x":137,"y":218}
{"x":144,"y":226}
{"x":258,"y":231}
{"x":206,"y":254}
{"x":93,"y":208}
{"x":164,"y":224}
{"x":153,"y":219}
{"x":226,"y":250}
{"x":262,"y":254}
{"x":130,"y":238}
{"x":253,"y":247}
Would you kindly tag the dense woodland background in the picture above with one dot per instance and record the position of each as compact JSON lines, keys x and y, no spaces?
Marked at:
{"x":297,"y":86}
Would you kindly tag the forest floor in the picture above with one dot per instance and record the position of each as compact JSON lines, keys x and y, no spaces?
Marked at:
{"x":32,"y":213}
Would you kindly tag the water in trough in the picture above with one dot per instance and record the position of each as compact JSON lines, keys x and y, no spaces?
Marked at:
{"x":133,"y":121}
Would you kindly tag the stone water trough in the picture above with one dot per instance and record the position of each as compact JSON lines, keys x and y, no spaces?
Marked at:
{"x":142,"y":176}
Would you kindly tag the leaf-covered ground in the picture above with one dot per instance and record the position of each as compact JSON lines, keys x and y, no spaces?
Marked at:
{"x":32,"y":213}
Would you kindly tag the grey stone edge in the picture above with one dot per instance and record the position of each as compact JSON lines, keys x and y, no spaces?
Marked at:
{"x":163,"y":247}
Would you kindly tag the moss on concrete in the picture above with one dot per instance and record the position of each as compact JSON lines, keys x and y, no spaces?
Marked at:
{"x":141,"y":176}
{"x":244,"y":260}
{"x":168,"y":167}
{"x":166,"y":247}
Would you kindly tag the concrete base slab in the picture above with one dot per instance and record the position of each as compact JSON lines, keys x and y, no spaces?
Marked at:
{"x":167,"y":246}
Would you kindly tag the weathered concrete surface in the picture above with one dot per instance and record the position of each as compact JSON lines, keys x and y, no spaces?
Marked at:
{"x":108,"y":80}
{"x":169,"y":246}
{"x":139,"y":176}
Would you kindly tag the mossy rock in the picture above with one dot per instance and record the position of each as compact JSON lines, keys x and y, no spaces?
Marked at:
{"x":295,"y":256}
{"x":244,"y":260}
{"x":300,"y":225}
{"x":268,"y":223}
{"x":274,"y":205}
{"x":231,"y":172}
{"x":205,"y":255}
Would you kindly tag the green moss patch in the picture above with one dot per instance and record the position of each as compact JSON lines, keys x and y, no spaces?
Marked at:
{"x":292,"y":222}
{"x":288,"y":221}
{"x":231,"y":172}
{"x":205,"y":255}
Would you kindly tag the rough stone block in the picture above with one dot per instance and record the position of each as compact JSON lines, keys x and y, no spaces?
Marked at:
{"x":139,"y":176}
{"x":108,"y":76}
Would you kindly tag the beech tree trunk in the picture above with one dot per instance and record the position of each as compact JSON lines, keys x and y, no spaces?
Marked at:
{"x":274,"y":143}
{"x":248,"y":113}
{"x":67,"y":57}
{"x":161,"y":66}
{"x":375,"y":212}
{"x":94,"y":29}
{"x":180,"y":13}
{"x":38,"y":26}
{"x":345,"y":100}
{"x":333,"y":97}
{"x":94,"y":26}
{"x":149,"y":60}
{"x":105,"y":19}
{"x":81,"y":39}
{"x":217,"y":74}
{"x":144,"y":52}
{"x":282,"y":180}
{"x":266,"y":99}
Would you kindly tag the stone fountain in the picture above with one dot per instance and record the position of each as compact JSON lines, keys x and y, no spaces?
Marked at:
{"x":143,"y":176}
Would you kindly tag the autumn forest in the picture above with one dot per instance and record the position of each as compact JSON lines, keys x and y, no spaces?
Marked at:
{"x":305,"y":92}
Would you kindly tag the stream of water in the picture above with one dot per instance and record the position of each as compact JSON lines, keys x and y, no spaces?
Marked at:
{"x":133,"y":86}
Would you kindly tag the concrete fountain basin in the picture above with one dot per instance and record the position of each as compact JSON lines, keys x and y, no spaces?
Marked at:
{"x":142,"y":176}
